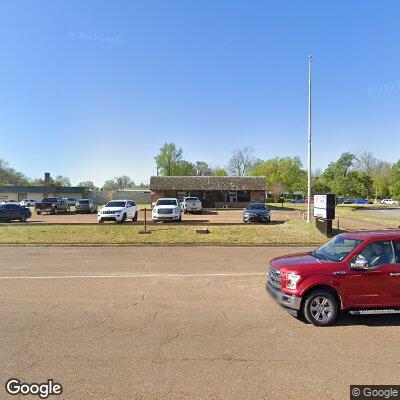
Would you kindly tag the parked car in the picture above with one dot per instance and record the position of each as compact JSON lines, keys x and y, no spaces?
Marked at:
{"x":70,"y":201}
{"x":389,"y":201}
{"x":118,"y":210}
{"x":53,"y":205}
{"x":362,"y":201}
{"x":9,"y":212}
{"x":358,"y":272}
{"x":256,"y":212}
{"x":28,"y":203}
{"x":85,"y":206}
{"x":166,"y":210}
{"x":191,"y":205}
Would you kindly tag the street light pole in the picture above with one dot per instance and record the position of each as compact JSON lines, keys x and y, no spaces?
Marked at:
{"x":309,"y":141}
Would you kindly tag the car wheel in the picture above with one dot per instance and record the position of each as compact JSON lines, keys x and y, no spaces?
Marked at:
{"x":320,"y":308}
{"x":180,"y":219}
{"x":101,"y":221}
{"x":38,"y":212}
{"x":23,"y":218}
{"x":134,"y":219}
{"x":123,"y":219}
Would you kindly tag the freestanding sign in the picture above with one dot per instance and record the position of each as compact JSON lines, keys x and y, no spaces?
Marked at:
{"x":324,"y":212}
{"x":324,"y":206}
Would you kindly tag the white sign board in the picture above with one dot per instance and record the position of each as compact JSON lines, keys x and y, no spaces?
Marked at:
{"x":320,"y":205}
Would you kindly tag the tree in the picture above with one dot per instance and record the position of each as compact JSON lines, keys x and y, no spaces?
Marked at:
{"x":61,"y":181}
{"x":202,"y":168}
{"x":241,"y":161}
{"x":343,"y":180}
{"x":118,"y":183}
{"x":168,"y":158}
{"x":9,"y":176}
{"x":286,"y":171}
{"x":395,"y":178}
{"x":366,"y":163}
{"x":143,"y":185}
{"x":183,"y":168}
{"x":219,"y":171}
{"x":88,"y":185}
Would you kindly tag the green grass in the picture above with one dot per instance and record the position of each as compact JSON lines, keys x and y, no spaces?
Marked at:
{"x":292,"y":232}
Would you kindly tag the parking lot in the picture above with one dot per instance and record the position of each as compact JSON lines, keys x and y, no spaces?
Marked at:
{"x":175,"y":323}
{"x":388,"y":218}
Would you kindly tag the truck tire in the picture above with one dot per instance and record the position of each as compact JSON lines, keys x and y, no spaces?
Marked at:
{"x":320,"y":308}
{"x":38,"y":212}
{"x":101,"y":221}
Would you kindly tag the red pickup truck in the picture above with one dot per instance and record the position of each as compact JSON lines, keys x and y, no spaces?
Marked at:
{"x":357,"y":272}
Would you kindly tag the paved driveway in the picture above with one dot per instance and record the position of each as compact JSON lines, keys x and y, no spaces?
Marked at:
{"x":175,"y":323}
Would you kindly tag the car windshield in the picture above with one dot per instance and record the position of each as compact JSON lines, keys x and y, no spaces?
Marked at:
{"x":257,"y":207}
{"x":191,"y":199}
{"x":166,"y":202}
{"x":116,"y":204}
{"x":336,"y":249}
{"x":83,"y":201}
{"x":52,"y":199}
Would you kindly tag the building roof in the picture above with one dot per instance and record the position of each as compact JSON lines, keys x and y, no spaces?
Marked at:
{"x":158,"y":183}
{"x":42,"y":189}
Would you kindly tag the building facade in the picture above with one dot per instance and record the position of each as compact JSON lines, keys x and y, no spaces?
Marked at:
{"x":37,"y":193}
{"x":213,"y":191}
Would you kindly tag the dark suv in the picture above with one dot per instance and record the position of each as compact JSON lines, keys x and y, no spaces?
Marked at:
{"x":9,"y":212}
{"x":85,"y":206}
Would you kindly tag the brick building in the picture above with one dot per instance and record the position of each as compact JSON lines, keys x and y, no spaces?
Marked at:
{"x":213,"y":191}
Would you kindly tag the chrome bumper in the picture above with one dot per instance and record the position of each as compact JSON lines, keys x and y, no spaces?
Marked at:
{"x":291,"y":303}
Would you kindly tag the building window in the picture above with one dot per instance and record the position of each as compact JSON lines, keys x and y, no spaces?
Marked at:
{"x":243,"y":196}
{"x":22,"y":196}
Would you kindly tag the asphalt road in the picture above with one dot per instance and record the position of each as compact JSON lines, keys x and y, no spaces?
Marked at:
{"x":175,"y":323}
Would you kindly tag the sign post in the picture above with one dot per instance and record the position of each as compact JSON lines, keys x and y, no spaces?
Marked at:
{"x":144,"y":231}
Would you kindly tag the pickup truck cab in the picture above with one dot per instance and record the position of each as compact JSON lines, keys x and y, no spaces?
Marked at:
{"x":357,"y":272}
{"x":52,"y":205}
{"x":191,"y":204}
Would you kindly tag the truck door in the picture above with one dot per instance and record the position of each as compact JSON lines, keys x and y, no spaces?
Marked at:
{"x":373,"y":287}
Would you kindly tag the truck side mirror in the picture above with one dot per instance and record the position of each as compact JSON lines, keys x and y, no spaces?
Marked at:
{"x":360,"y":264}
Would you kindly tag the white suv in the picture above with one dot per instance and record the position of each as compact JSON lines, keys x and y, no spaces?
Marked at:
{"x":166,"y":210}
{"x":389,"y":201}
{"x":118,"y":210}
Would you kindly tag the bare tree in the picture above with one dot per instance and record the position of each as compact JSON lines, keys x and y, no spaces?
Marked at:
{"x":241,"y":161}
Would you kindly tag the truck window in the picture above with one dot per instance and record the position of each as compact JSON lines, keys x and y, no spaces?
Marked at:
{"x":378,"y":253}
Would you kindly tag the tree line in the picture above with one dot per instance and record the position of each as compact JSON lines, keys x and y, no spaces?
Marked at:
{"x":350,"y":176}
{"x":9,"y":176}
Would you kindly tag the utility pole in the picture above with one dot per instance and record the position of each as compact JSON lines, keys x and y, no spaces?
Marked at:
{"x":309,"y":141}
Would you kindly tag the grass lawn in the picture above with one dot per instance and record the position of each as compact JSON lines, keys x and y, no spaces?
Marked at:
{"x":292,"y":232}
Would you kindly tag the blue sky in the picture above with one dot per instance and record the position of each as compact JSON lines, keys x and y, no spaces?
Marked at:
{"x":91,"y":90}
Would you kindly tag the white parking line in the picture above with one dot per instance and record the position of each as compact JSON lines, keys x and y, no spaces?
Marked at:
{"x":134,"y":276}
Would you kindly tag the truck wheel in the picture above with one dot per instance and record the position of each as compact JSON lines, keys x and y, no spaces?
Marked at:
{"x":134,"y":219}
{"x":101,"y":221}
{"x":38,"y":212}
{"x":320,"y":308}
